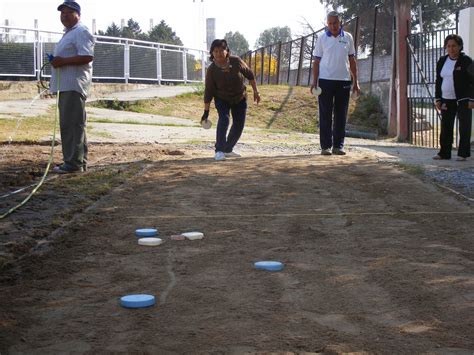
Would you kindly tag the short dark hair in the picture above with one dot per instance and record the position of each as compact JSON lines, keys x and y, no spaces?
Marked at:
{"x":219,"y":43}
{"x":455,"y":38}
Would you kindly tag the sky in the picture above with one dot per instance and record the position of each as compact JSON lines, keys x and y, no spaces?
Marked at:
{"x":185,"y":17}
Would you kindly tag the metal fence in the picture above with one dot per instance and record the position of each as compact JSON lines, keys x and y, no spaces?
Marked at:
{"x":424,"y":120}
{"x":23,"y":52}
{"x":290,"y":62}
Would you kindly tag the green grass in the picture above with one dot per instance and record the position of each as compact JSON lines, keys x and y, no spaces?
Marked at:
{"x":282,"y":107}
{"x":27,"y":128}
{"x":287,"y":108}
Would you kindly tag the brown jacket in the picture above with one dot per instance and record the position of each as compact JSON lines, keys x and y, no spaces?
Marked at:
{"x":227,"y":85}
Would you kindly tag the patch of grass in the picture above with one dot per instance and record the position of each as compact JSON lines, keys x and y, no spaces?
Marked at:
{"x":91,"y":130}
{"x":93,"y":185}
{"x":28,"y":128}
{"x":282,"y":107}
{"x":412,"y":169}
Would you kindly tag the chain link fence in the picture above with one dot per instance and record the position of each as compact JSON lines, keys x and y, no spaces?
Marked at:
{"x":23,"y":54}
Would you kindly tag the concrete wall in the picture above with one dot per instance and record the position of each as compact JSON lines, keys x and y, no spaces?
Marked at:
{"x":466,"y":31}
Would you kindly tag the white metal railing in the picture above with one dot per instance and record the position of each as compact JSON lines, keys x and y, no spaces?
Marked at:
{"x":23,"y":53}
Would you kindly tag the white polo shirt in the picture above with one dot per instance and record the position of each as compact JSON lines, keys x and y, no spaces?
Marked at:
{"x":334,"y":53}
{"x":76,"y":41}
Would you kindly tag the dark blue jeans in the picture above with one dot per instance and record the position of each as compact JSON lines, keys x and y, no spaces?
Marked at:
{"x":334,"y":98}
{"x":225,"y":143}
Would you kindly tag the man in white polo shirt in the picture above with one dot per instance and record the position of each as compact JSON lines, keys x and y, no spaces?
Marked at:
{"x":334,"y":65}
{"x":72,"y":76}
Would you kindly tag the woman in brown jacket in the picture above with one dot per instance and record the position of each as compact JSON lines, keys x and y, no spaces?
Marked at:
{"x":225,"y":84}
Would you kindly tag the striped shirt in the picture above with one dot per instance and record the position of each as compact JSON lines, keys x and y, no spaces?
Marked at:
{"x":76,"y":41}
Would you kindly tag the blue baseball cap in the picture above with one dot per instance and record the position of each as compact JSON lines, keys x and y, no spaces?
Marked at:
{"x":72,"y":5}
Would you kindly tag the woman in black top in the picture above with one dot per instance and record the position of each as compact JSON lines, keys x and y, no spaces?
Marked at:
{"x":454,"y":93}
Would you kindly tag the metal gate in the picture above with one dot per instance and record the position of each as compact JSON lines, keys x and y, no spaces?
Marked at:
{"x":424,"y":50}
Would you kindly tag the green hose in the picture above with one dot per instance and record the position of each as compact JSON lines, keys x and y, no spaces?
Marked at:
{"x":22,"y":203}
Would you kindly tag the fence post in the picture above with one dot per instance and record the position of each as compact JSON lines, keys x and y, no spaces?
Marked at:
{"x":356,"y":35}
{"x":203,"y":65}
{"x":38,"y":54}
{"x":255,"y":65}
{"x":300,"y":62}
{"x":373,"y":49}
{"x":158,"y":65}
{"x":278,"y":63}
{"x":126,"y":62}
{"x":185,"y":67}
{"x":311,"y":61}
{"x":289,"y":64}
{"x":269,"y":65}
{"x":262,"y":61}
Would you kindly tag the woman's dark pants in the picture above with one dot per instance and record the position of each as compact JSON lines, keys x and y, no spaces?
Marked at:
{"x":448,"y":118}
{"x":225,"y":143}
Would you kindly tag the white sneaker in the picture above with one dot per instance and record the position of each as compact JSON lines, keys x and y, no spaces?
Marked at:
{"x":232,"y":155}
{"x":219,"y":156}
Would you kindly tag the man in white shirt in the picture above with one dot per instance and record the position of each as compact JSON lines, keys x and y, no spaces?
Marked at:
{"x":71,"y":79}
{"x":334,"y":66}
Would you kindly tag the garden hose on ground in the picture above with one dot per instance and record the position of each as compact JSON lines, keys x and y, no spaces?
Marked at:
{"x":50,"y":160}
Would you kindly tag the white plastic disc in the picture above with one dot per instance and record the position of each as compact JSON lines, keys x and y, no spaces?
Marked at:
{"x":206,"y":124}
{"x":317,"y":91}
{"x":146,"y":232}
{"x":150,"y":241}
{"x":137,"y":301}
{"x":269,"y":265}
{"x":193,"y":235}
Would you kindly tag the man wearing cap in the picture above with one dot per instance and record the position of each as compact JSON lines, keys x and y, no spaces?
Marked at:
{"x":334,"y":65}
{"x":71,"y":79}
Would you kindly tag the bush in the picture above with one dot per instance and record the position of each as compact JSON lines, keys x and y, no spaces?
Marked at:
{"x":368,"y":114}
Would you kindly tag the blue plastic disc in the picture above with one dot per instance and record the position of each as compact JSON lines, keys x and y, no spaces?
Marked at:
{"x":269,"y":265}
{"x":137,"y":301}
{"x":146,"y":232}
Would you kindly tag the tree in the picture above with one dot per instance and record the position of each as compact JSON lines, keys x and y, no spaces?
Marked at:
{"x":435,"y":14}
{"x":164,"y":34}
{"x":113,"y":31}
{"x":273,"y":35}
{"x":133,"y":30}
{"x":237,"y":43}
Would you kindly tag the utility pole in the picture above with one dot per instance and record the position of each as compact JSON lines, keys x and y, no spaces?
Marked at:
{"x":400,"y":57}
{"x":420,"y":17}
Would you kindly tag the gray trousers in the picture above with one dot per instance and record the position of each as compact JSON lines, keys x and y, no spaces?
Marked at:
{"x":72,"y":121}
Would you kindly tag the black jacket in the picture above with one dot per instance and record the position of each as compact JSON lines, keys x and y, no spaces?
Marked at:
{"x":463,"y":79}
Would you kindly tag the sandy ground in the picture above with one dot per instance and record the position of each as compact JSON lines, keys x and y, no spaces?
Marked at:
{"x":376,"y":260}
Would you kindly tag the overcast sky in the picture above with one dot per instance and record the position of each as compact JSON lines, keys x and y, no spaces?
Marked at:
{"x":249,"y":17}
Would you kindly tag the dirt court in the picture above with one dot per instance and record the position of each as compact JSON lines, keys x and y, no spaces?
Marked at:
{"x":376,"y":260}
